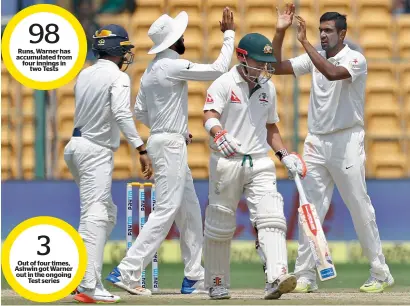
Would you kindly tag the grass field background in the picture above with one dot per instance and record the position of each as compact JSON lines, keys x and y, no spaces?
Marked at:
{"x":250,"y":276}
{"x":247,"y":282}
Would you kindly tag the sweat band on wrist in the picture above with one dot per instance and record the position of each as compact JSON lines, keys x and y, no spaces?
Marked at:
{"x":210,"y":123}
{"x":281,"y":153}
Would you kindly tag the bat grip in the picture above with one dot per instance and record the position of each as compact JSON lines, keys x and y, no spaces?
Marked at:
{"x":302,"y":196}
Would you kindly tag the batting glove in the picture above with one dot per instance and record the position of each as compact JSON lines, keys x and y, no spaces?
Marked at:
{"x":226,"y":144}
{"x":295,"y":165}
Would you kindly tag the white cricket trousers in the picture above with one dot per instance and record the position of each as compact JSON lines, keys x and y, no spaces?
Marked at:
{"x":91,"y":166}
{"x":176,"y":201}
{"x":339,"y":158}
{"x":230,"y":178}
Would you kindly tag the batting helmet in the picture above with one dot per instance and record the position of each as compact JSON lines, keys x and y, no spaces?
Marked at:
{"x":113,"y":40}
{"x":259,"y":48}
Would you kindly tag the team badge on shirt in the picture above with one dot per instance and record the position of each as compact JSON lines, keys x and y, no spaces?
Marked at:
{"x":354,"y":64}
{"x":209,"y":99}
{"x":234,"y":98}
{"x":263,"y":99}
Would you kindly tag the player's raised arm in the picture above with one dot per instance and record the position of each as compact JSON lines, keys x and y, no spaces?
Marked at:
{"x":284,"y":21}
{"x":186,"y":70}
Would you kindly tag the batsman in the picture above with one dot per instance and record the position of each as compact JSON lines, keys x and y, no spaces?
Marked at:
{"x":240,"y":115}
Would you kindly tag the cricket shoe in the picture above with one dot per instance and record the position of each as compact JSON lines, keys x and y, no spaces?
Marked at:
{"x":219,"y":293}
{"x":305,"y":285}
{"x":115,"y":278}
{"x":95,"y":296}
{"x":284,"y":284}
{"x":374,"y":285}
{"x":193,"y":286}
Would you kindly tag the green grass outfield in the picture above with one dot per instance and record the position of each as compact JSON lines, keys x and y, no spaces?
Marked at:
{"x":248,"y":282}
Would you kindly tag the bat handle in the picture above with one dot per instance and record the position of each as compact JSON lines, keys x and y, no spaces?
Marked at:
{"x":302,"y":196}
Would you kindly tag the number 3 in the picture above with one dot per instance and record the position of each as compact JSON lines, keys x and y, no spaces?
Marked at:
{"x":44,"y":245}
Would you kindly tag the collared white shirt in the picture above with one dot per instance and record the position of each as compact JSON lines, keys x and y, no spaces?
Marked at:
{"x":102,"y":105}
{"x":244,"y":115}
{"x":335,"y":105}
{"x":162,"y":100}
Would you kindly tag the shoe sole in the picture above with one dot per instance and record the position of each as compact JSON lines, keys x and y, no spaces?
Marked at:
{"x":375,"y":291}
{"x":195,"y":292}
{"x":387,"y":288}
{"x":286,"y":286}
{"x":307,"y":291}
{"x":85,"y":299}
{"x":123,"y":287}
{"x":223,"y":297}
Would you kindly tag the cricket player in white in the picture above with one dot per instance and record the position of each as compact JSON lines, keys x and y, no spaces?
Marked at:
{"x":334,"y":147}
{"x":162,"y":105}
{"x":102,"y":109}
{"x":241,"y":116}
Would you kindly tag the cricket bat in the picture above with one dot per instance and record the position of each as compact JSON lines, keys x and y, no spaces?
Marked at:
{"x":314,"y":231}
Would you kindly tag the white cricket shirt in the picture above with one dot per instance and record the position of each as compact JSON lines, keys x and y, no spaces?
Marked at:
{"x":162,"y":100}
{"x":335,"y":105}
{"x":102,"y":105}
{"x":243,"y":116}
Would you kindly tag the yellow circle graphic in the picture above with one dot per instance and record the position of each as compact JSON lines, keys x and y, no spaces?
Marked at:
{"x":5,"y":260}
{"x":44,"y":8}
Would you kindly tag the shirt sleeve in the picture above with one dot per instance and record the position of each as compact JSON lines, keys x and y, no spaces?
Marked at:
{"x":120,"y":108}
{"x":140,"y":108}
{"x":356,"y":65}
{"x":188,"y":71}
{"x":273,"y":116}
{"x":216,"y":97}
{"x":301,"y":64}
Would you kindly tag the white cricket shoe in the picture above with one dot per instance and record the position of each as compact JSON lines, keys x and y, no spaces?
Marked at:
{"x":115,"y":278}
{"x":219,"y":293}
{"x":93,"y":296}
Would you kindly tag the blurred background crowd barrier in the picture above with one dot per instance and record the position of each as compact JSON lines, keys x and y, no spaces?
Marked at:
{"x":37,"y":125}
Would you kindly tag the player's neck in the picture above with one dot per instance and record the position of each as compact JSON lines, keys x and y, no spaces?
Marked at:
{"x":251,"y":84}
{"x":334,"y":51}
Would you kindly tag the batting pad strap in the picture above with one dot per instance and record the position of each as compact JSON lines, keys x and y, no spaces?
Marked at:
{"x":220,"y":223}
{"x":271,"y":221}
{"x":210,"y":123}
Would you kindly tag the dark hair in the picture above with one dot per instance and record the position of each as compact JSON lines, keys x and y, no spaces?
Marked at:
{"x":340,"y":20}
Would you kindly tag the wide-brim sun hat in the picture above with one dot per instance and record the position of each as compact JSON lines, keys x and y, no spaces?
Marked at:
{"x":165,"y":31}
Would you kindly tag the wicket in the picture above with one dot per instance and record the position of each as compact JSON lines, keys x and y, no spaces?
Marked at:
{"x":141,"y":216}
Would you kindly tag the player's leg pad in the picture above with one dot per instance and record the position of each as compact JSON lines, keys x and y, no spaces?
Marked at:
{"x":220,"y":224}
{"x":270,"y":223}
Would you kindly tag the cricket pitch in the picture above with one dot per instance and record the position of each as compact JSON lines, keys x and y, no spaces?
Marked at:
{"x":396,"y":296}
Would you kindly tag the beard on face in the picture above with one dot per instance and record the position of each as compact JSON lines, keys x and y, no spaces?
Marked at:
{"x":180,"y":47}
{"x":329,"y":44}
{"x":121,"y":62}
